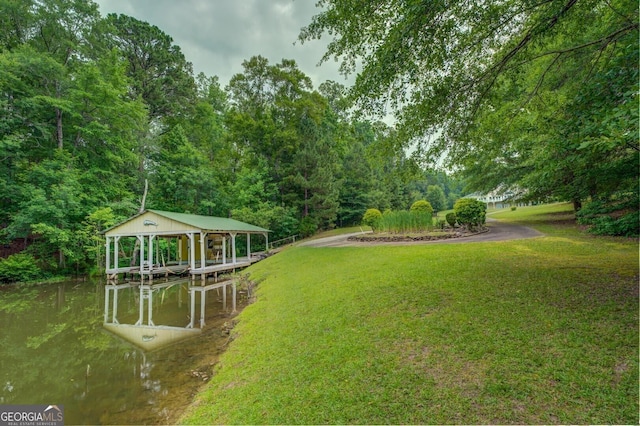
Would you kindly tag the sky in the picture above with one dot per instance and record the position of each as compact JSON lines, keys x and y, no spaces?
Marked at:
{"x":216,"y":36}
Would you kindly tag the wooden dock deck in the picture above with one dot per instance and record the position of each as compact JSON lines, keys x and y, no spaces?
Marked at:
{"x":183,"y":268}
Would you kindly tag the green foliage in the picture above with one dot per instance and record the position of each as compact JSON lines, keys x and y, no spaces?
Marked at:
{"x":422,"y":206}
{"x":451,"y":219}
{"x":19,"y":267}
{"x":280,"y":220}
{"x":435,"y":196}
{"x":616,"y":216}
{"x":93,"y":107}
{"x":372,"y":218}
{"x":470,"y":212}
{"x":308,"y":227}
{"x":404,"y":221}
{"x":537,"y":96}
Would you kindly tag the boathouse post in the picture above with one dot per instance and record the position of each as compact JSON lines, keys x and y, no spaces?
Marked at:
{"x":248,"y":247}
{"x":150,"y":257}
{"x":141,"y":239}
{"x":203,"y":259}
{"x":192,"y":251}
{"x":233,"y":247}
{"x":224,"y":249}
{"x":107,"y":261}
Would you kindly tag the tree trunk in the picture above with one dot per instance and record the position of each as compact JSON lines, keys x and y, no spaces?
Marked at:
{"x":59,"y":128}
{"x":577,"y":205}
{"x":136,"y":247}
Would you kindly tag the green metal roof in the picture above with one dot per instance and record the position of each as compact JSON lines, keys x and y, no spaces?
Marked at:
{"x":210,"y":223}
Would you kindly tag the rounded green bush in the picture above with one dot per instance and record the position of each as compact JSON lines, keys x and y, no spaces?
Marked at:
{"x":470,"y":212}
{"x":372,"y":218}
{"x":422,"y":206}
{"x":451,"y":219}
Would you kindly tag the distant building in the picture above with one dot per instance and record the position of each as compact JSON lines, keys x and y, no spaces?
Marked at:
{"x":498,"y":198}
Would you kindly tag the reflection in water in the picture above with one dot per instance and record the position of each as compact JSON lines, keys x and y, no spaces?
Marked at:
{"x":54,"y":350}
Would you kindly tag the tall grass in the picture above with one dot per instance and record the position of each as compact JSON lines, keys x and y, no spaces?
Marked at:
{"x":403,"y":221}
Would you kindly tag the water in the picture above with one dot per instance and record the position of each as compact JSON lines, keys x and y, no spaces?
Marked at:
{"x":54,"y":350}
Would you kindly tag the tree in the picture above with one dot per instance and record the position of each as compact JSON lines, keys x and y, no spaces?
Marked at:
{"x":435,"y":196}
{"x":516,"y":92}
{"x":159,"y":72}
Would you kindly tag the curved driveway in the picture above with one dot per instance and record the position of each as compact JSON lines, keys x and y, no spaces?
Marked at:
{"x":498,"y":231}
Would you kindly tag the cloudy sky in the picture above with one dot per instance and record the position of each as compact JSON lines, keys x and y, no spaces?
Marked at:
{"x":216,"y":36}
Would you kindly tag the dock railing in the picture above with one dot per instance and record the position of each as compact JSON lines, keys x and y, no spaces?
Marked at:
{"x":282,"y":242}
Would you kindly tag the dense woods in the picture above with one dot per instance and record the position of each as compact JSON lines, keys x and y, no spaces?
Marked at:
{"x":92,"y":107}
{"x":540,"y":98}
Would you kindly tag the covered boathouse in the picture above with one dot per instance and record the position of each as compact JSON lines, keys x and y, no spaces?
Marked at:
{"x":193,"y":244}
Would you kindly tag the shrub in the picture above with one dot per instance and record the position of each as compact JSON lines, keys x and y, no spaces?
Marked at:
{"x":308,"y":227}
{"x":617,"y":216}
{"x":422,"y":206}
{"x":470,"y":212}
{"x":451,"y":219}
{"x":19,"y":267}
{"x":513,"y":208}
{"x":372,"y":218}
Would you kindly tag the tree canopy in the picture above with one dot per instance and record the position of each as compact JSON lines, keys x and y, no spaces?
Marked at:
{"x":93,"y":107}
{"x":538,"y":95}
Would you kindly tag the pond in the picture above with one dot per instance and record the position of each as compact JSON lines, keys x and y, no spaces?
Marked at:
{"x":55,"y":350}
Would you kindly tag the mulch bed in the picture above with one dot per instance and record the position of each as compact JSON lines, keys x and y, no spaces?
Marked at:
{"x":395,"y":238}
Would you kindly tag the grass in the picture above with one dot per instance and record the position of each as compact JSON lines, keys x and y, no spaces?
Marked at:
{"x":528,"y":331}
{"x":340,"y":231}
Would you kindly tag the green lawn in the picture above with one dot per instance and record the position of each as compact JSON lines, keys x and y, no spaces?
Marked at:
{"x":529,"y":331}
